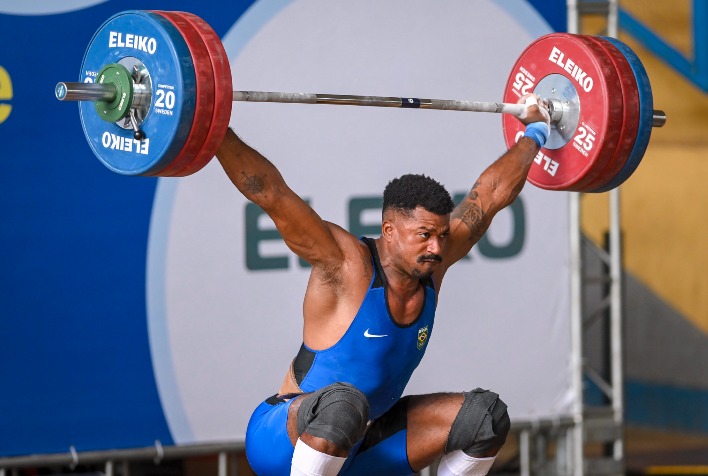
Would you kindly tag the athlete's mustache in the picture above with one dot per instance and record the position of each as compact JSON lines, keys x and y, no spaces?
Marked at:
{"x":432,"y":257}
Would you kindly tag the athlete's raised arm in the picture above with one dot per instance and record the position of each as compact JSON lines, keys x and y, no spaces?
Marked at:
{"x":305,"y":233}
{"x":499,"y":184}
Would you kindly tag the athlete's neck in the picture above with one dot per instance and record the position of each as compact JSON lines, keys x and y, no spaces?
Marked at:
{"x":398,"y":280}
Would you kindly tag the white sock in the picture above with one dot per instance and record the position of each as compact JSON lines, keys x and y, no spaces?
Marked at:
{"x":458,"y":463}
{"x":310,"y":462}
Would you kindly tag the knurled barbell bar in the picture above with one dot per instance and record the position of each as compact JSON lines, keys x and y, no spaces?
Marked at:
{"x":156,"y":99}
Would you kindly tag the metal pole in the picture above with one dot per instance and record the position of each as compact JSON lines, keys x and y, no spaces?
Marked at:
{"x":576,"y":310}
{"x":97,"y":457}
{"x":612,"y":19}
{"x":563,"y":452}
{"x":525,"y":453}
{"x":223,"y":464}
{"x":616,"y":319}
{"x":616,"y":344}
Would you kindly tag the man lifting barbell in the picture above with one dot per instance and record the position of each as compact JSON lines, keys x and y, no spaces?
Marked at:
{"x":368,"y":312}
{"x":369,"y":304}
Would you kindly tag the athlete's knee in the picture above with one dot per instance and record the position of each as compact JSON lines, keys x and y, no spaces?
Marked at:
{"x":337,"y":413}
{"x":481,"y":426}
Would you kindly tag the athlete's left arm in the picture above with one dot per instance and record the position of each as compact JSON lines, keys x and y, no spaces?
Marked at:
{"x":496,"y":188}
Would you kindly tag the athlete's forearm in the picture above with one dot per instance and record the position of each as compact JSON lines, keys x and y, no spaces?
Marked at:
{"x":496,"y":188}
{"x":254,"y":175}
{"x":507,"y":176}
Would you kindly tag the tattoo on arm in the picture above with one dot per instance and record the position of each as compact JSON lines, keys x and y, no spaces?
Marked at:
{"x":473,"y":217}
{"x":471,"y":214}
{"x":253,"y":183}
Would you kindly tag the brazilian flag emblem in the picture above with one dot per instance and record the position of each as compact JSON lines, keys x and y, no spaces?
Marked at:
{"x":422,"y":337}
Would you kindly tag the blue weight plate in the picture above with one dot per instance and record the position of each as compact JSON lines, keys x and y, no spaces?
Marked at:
{"x":157,"y":44}
{"x":646,"y":114}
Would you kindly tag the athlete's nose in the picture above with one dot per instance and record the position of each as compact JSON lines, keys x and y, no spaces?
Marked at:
{"x":434,"y":246}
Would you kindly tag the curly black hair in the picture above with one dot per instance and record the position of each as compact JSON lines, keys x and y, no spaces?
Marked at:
{"x":413,"y":190}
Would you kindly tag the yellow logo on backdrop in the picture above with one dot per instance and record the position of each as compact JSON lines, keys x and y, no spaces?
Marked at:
{"x":5,"y":94}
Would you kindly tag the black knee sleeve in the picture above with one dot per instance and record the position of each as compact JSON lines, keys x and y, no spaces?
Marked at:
{"x":481,"y":425}
{"x":337,"y":413}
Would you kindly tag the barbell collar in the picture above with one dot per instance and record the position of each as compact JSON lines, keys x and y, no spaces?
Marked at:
{"x":556,"y":109}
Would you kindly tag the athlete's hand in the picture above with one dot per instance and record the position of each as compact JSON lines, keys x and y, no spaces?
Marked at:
{"x":536,"y":110}
{"x":536,"y":118}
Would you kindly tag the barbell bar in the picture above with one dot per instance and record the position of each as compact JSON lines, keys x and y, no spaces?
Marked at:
{"x":72,"y":91}
{"x":593,"y":104}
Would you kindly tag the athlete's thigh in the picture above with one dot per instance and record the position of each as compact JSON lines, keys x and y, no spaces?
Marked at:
{"x":430,"y":418}
{"x":439,"y":423}
{"x":269,"y":449}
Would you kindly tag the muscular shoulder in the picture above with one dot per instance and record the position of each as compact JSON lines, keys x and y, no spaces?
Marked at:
{"x":334,"y":293}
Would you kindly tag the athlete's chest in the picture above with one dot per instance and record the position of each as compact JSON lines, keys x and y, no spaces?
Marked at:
{"x":376,"y":330}
{"x":403,"y":309}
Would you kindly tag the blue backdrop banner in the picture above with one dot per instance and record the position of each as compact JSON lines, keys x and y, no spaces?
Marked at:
{"x":75,"y":359}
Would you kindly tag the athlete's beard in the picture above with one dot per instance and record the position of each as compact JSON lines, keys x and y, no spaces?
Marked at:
{"x":418,"y":274}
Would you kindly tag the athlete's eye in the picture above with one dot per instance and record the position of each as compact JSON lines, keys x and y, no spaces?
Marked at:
{"x":425,"y":235}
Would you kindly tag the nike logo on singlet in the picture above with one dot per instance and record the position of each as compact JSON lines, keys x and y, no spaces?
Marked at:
{"x":366,"y":334}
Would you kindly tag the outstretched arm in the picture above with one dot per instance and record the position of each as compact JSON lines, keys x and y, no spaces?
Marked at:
{"x":498,"y":186}
{"x":258,"y":180}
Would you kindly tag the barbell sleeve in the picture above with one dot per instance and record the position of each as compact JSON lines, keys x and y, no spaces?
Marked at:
{"x":85,"y":92}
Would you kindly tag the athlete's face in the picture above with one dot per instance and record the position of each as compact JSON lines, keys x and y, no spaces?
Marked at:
{"x":418,"y":240}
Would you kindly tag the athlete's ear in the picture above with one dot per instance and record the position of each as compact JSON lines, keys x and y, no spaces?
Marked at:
{"x":387,"y":230}
{"x":387,"y":226}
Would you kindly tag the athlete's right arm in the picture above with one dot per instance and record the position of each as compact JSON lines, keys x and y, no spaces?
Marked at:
{"x":305,"y":233}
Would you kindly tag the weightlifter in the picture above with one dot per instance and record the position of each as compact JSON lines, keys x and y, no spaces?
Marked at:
{"x":368,"y":314}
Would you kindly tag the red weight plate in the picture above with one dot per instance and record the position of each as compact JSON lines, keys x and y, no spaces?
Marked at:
{"x":630,"y":123}
{"x":223,"y":93}
{"x":580,"y":161}
{"x":204,"y":99}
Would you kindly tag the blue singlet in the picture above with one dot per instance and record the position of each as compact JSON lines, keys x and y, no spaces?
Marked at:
{"x":376,"y":355}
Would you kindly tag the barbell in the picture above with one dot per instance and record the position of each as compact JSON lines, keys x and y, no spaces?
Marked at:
{"x":155,"y":96}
